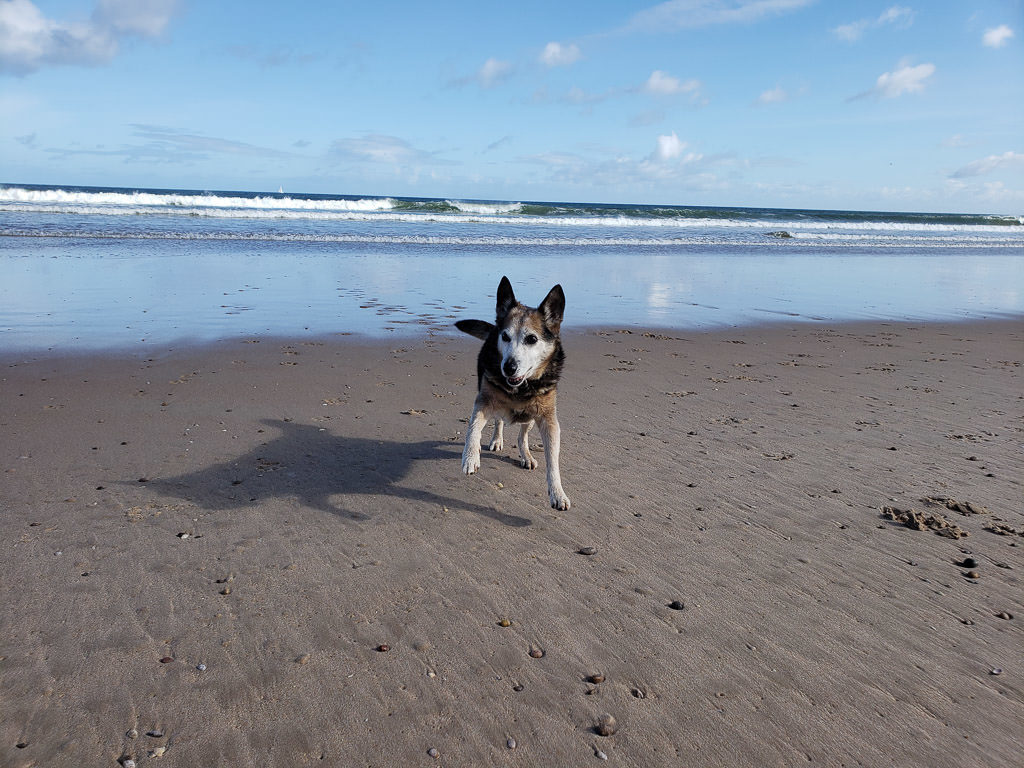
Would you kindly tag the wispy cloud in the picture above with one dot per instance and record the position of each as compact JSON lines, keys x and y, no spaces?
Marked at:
{"x":669,"y":162}
{"x":30,"y":41}
{"x":997,"y":37}
{"x":170,"y":145}
{"x":382,"y":149}
{"x":897,"y":15}
{"x":559,"y":55}
{"x":491,"y":73}
{"x":663,"y":84}
{"x":775,"y":95}
{"x":990,"y":164}
{"x":675,"y":15}
{"x":906,"y":78}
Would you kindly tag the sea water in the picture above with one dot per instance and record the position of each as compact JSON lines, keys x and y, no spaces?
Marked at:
{"x":91,"y":268}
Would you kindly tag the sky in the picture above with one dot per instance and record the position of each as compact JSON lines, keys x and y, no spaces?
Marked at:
{"x":916,"y":106}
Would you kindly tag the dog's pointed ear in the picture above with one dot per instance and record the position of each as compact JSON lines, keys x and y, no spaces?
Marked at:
{"x":552,"y":308}
{"x":506,"y":298}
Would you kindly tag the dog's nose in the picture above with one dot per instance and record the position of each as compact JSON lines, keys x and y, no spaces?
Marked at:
{"x":510,"y":367}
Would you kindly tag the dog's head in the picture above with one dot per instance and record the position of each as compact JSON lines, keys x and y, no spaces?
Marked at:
{"x":527,"y":337}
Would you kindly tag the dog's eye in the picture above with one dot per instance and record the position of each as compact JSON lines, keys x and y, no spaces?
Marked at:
{"x":530,"y":339}
{"x":505,"y":337}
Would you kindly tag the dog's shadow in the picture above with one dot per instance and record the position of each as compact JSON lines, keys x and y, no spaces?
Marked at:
{"x":313,"y":466}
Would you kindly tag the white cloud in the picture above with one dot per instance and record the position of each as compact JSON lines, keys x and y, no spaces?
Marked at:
{"x":29,"y":40}
{"x":990,"y":164}
{"x":775,"y":95}
{"x":906,"y":79}
{"x":669,"y":147}
{"x":997,"y":36}
{"x":663,"y":84}
{"x":897,"y":15}
{"x":558,"y":55}
{"x":689,"y":14}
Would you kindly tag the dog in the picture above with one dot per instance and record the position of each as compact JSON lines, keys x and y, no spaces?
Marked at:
{"x":517,"y":380}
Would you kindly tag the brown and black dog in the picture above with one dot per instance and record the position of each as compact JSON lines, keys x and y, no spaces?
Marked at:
{"x":518,"y":370}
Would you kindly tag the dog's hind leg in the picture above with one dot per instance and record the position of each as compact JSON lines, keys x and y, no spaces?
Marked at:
{"x":498,"y":441}
{"x":471,"y":453}
{"x":525,"y":457}
{"x":551,"y":435}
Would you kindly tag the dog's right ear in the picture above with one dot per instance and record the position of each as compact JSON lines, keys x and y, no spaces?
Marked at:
{"x":506,"y":299}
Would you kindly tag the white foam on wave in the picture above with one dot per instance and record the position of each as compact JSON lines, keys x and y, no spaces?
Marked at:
{"x":69,"y":201}
{"x":494,"y":209}
{"x":498,"y":241}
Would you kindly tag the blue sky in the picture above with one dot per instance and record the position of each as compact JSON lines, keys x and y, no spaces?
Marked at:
{"x":782,"y":103}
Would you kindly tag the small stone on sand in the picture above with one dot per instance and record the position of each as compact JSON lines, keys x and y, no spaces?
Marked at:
{"x":972,"y":575}
{"x":303,"y":659}
{"x":434,"y":753}
{"x":596,"y":678}
{"x":166,"y":660}
{"x":588,"y":550}
{"x":1004,"y":615}
{"x":504,"y":623}
{"x":606,"y":725}
{"x":536,"y":652}
{"x":132,"y":734}
{"x":676,"y":605}
{"x":511,"y":743}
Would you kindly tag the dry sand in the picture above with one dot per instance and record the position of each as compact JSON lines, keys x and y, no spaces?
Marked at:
{"x":741,"y":473}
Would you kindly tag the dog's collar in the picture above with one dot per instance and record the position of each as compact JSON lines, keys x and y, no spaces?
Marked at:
{"x":529,"y":388}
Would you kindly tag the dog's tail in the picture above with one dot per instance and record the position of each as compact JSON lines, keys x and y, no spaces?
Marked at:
{"x":477,"y":328}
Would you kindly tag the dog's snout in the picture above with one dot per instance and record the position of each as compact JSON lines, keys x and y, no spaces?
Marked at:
{"x":510,"y":367}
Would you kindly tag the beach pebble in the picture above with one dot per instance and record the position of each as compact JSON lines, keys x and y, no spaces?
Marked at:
{"x":157,"y":752}
{"x":383,"y":648}
{"x":968,"y":562}
{"x":182,"y":535}
{"x":596,"y":678}
{"x":517,"y":688}
{"x":995,"y":671}
{"x":166,"y":660}
{"x":600,"y":754}
{"x":132,"y":734}
{"x":536,"y":652}
{"x":676,"y":605}
{"x":638,"y":693}
{"x":511,"y":743}
{"x":1004,"y":615}
{"x":588,"y":550}
{"x":155,"y":734}
{"x":972,"y":575}
{"x":606,"y":725}
{"x":226,"y":591}
{"x":201,"y":667}
{"x":504,"y":623}
{"x":128,"y":763}
{"x":303,"y":659}
{"x":434,"y":753}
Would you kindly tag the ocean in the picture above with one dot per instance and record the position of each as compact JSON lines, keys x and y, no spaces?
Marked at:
{"x":93,"y":268}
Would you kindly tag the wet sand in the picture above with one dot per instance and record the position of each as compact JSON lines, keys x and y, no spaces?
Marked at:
{"x":265,"y":552}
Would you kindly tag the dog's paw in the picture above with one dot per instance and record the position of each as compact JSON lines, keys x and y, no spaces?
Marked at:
{"x":470,"y":464}
{"x":497,"y":444}
{"x":558,"y":499}
{"x":527,"y":461}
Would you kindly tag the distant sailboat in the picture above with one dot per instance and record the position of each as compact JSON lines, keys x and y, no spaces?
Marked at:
{"x":280,"y":190}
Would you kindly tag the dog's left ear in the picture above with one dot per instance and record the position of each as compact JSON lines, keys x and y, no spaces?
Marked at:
{"x":552,"y":308}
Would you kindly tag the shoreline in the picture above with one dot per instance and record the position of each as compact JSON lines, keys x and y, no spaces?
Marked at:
{"x":742,"y":472}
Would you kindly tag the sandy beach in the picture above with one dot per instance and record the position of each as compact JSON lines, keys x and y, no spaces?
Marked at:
{"x":263,"y":552}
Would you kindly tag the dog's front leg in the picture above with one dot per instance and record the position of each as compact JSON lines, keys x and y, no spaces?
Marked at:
{"x":551,"y":435}
{"x":525,"y":457}
{"x":498,"y":441}
{"x":471,"y":453}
